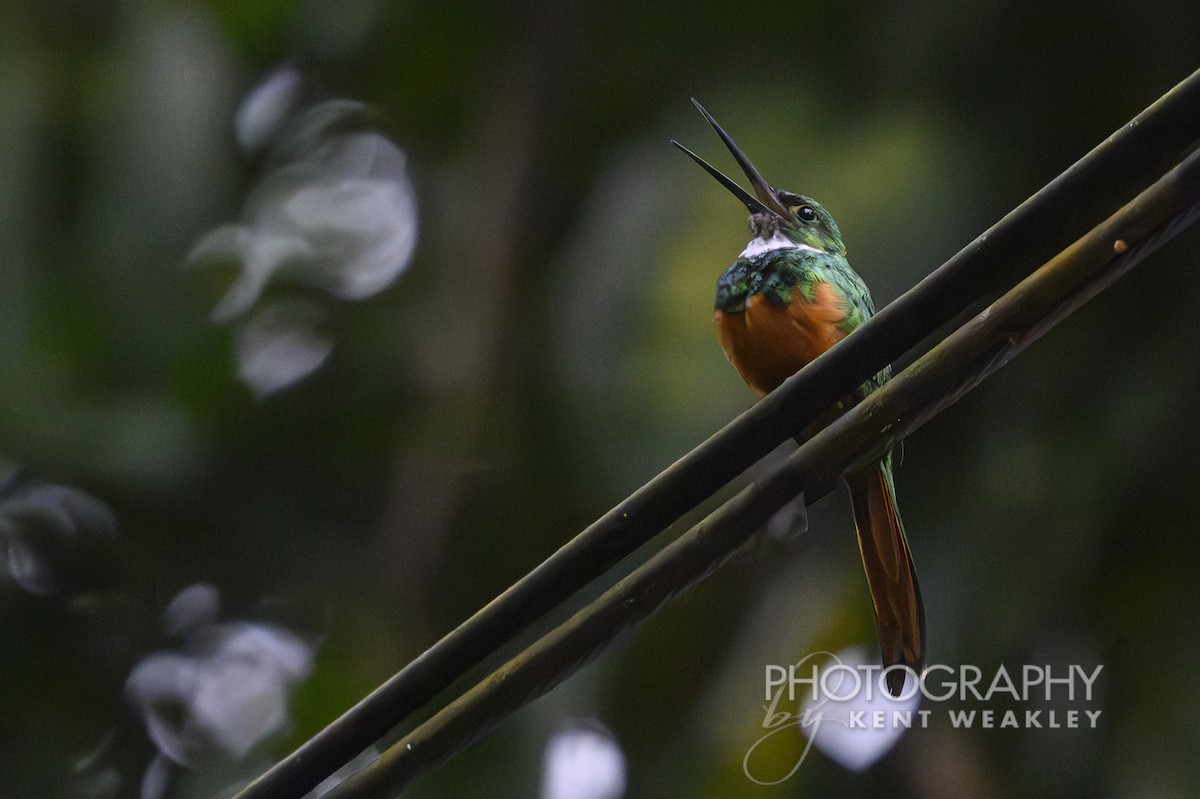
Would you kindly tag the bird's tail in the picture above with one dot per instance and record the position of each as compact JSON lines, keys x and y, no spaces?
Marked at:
{"x":899,"y":614}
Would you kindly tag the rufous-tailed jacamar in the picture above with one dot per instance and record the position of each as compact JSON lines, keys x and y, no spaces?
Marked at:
{"x":788,"y":297}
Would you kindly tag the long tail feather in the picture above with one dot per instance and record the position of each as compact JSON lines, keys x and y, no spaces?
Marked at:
{"x":899,"y":613}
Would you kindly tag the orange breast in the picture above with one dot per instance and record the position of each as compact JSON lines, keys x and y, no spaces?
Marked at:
{"x":769,"y":343}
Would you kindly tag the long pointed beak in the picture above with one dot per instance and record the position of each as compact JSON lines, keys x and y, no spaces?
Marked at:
{"x":766,"y":195}
{"x":754,"y":205}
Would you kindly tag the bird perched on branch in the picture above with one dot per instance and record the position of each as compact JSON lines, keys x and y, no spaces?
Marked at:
{"x":789,"y":297}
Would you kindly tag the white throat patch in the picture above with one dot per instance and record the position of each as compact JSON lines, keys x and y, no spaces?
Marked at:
{"x":758,"y":246}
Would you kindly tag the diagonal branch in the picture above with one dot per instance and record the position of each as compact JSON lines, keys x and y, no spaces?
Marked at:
{"x":933,"y":382}
{"x":1095,"y":186}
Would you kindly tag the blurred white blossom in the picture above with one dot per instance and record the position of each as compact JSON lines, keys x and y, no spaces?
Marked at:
{"x":156,"y":781}
{"x":856,"y":746}
{"x":263,"y":110}
{"x":280,"y":343}
{"x":45,"y":532}
{"x":583,"y":761}
{"x":194,"y":608}
{"x":334,"y":212}
{"x":225,"y":691}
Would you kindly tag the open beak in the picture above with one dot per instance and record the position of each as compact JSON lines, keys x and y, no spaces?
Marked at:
{"x":765,"y":200}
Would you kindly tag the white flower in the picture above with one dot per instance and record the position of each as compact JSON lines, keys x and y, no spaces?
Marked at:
{"x":334,"y":211}
{"x":280,"y":343}
{"x":845,"y":724}
{"x":227,"y":690}
{"x":583,"y":762}
{"x":43,"y":530}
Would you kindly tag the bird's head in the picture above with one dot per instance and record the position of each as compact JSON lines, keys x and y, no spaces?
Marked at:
{"x":774,"y":213}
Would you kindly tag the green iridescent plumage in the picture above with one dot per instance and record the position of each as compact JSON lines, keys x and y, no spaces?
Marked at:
{"x":779,"y":274}
{"x":788,"y":298}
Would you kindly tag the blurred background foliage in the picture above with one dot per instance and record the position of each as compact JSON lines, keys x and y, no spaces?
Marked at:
{"x":550,"y":348}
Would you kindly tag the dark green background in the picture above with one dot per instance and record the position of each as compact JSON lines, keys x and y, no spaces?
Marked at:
{"x":551,"y":348}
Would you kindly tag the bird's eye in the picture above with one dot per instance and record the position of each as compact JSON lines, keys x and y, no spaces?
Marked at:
{"x":804,"y":212}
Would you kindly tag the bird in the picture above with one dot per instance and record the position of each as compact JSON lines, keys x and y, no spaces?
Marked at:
{"x":790,"y":296}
